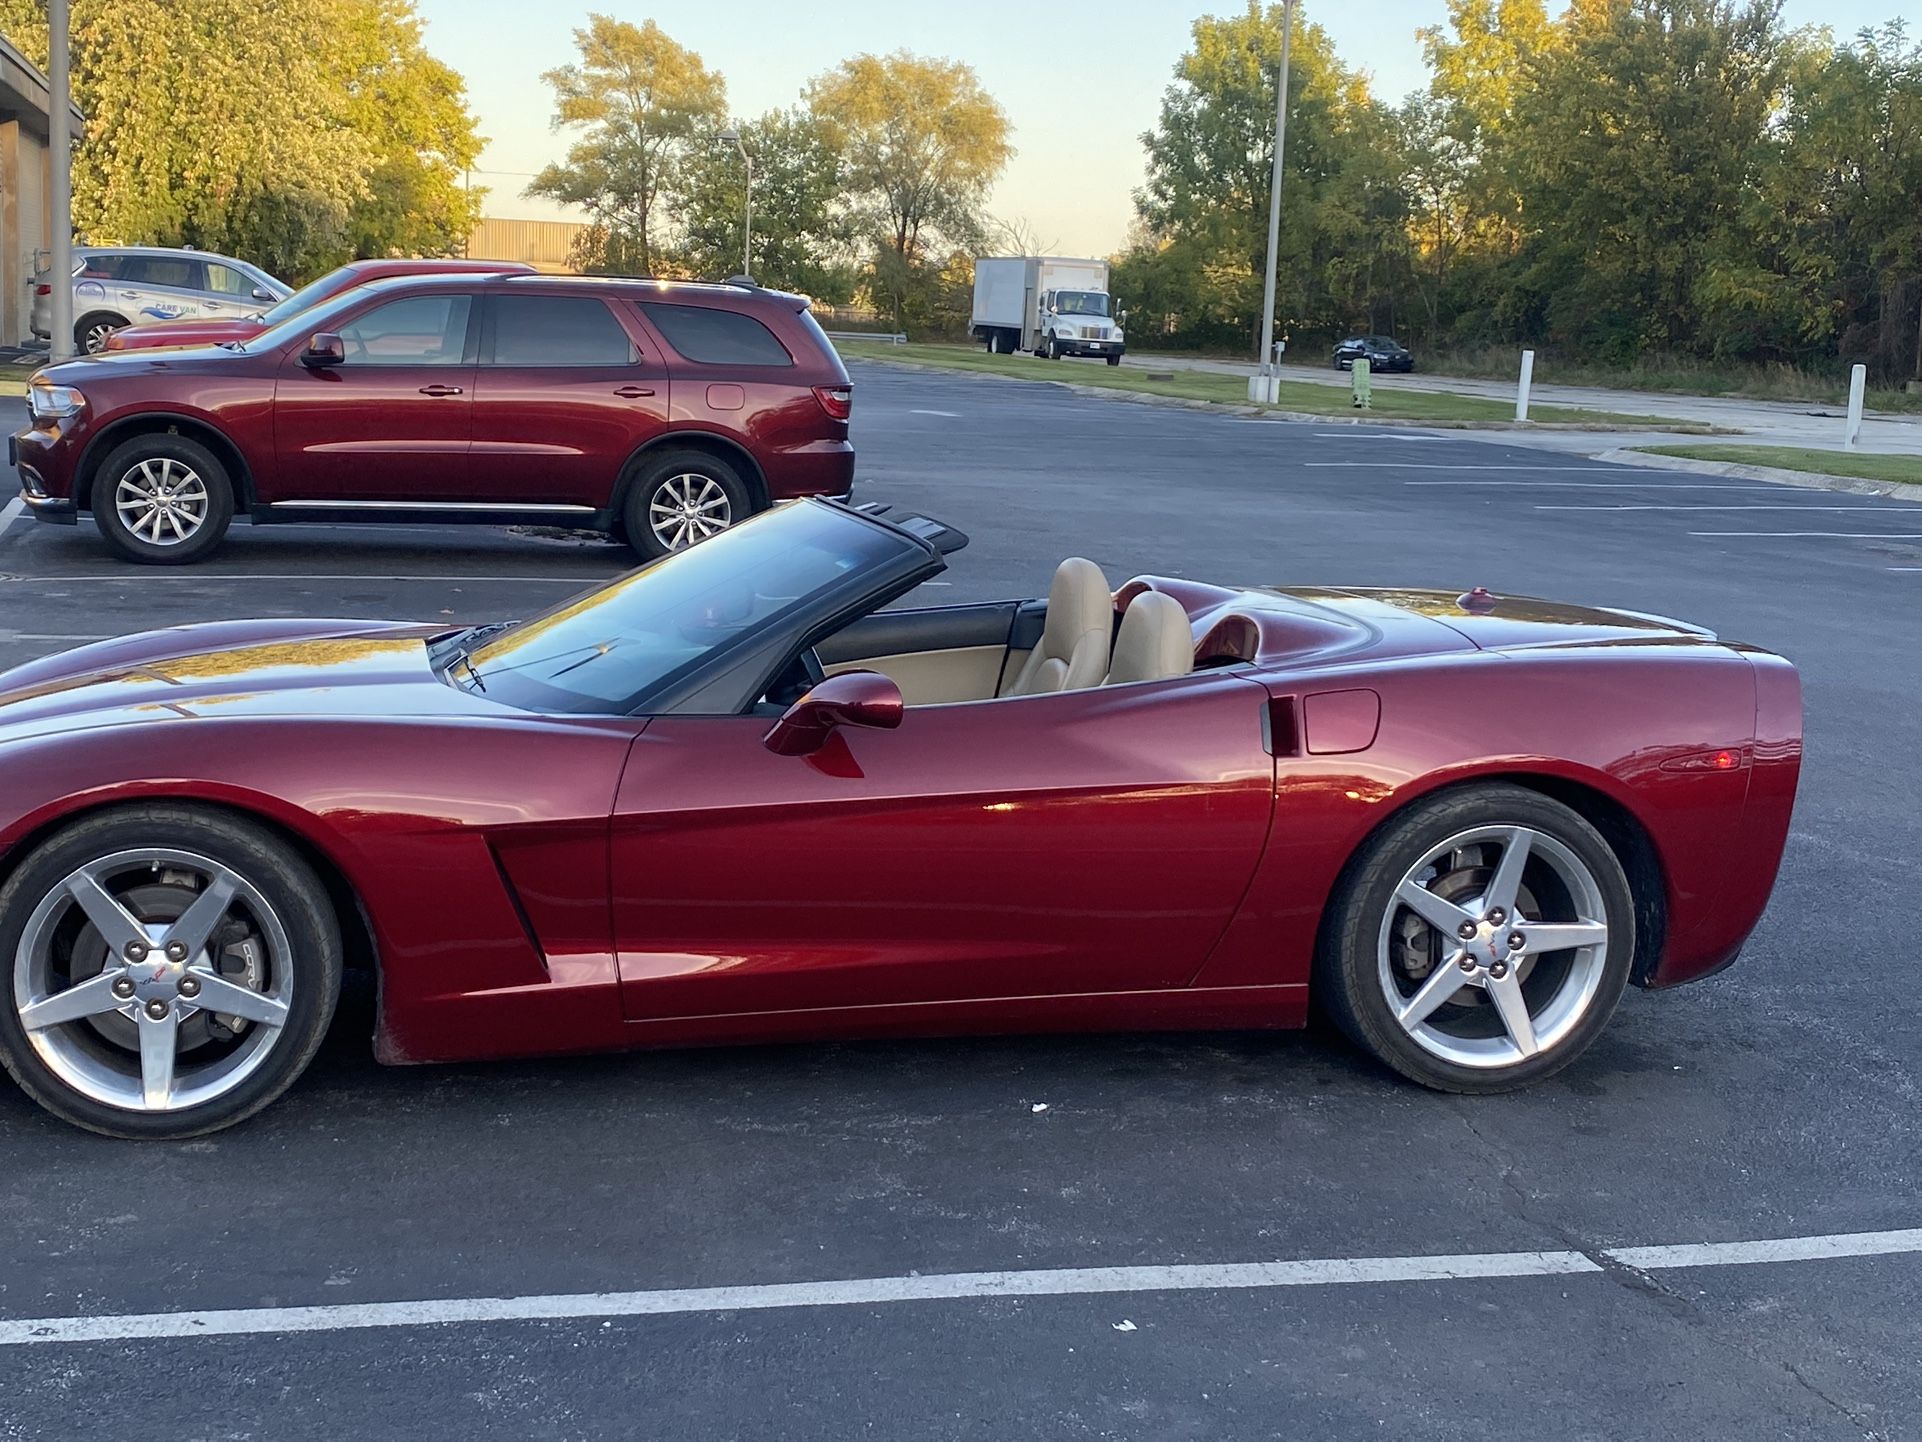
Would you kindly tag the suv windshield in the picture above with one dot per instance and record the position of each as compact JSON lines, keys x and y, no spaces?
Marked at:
{"x":303,"y":323}
{"x":602,"y":652}
{"x":1080,"y":302}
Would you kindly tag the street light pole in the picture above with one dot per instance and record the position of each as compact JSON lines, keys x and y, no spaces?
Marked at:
{"x":60,"y":158}
{"x":1268,"y":384}
{"x":733,"y":136}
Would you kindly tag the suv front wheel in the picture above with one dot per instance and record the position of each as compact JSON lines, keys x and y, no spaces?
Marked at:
{"x":680,"y":497}
{"x":162,"y":500}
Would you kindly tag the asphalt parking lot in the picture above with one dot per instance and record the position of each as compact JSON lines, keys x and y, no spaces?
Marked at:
{"x":1777,"y":1100}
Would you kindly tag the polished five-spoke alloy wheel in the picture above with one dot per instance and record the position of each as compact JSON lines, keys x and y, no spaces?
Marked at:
{"x":169,"y":986}
{"x":1480,"y":941}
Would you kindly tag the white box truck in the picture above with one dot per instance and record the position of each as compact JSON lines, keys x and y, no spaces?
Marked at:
{"x":1049,"y":304}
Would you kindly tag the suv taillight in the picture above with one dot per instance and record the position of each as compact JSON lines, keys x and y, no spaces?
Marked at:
{"x":837,"y":401}
{"x":43,"y":290}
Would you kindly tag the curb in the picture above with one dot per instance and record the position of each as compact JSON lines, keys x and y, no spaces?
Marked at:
{"x":1807,"y":480}
{"x":1269,"y":413}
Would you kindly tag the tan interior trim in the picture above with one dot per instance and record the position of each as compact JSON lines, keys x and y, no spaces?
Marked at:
{"x":931,"y":678}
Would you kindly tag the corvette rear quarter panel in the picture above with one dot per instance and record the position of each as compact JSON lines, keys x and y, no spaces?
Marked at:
{"x":477,"y":851}
{"x":1614,"y":721}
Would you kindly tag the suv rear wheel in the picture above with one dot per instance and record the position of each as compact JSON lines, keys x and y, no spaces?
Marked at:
{"x":162,"y":500}
{"x":680,"y":497}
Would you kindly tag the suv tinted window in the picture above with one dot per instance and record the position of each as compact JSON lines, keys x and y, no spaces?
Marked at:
{"x":718,"y":337}
{"x":160,"y":270}
{"x":416,"y":330}
{"x":99,"y":267}
{"x":557,"y":330}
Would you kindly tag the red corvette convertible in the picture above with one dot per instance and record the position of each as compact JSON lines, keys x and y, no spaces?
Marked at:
{"x":729,"y":797}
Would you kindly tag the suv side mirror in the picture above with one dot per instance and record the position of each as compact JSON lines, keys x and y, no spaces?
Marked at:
{"x":853,"y":698}
{"x":262,"y":293}
{"x":324,"y":350}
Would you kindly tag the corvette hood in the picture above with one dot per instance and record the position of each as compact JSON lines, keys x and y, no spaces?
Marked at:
{"x":232,"y":668}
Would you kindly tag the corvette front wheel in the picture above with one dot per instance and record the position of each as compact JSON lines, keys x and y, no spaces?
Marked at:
{"x":173,"y":971}
{"x":1480,"y":941}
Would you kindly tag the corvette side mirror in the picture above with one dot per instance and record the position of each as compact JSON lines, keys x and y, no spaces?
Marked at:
{"x":853,"y":698}
{"x":323,"y":350}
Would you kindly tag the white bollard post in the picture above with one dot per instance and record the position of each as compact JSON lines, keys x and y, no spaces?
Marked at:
{"x":1521,"y":390}
{"x":1852,"y":428}
{"x":1257,"y":388}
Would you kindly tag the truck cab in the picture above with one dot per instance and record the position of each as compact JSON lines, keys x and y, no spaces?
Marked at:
{"x":1079,"y":323}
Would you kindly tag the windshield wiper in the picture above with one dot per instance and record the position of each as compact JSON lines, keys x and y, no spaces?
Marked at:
{"x":462,"y":644}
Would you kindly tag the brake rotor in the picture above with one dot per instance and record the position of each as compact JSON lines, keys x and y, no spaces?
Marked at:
{"x":1418,"y":948}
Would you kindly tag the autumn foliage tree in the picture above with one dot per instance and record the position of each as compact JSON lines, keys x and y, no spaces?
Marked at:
{"x":296,"y":133}
{"x":640,"y":104}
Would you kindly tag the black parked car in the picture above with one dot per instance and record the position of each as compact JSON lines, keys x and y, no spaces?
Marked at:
{"x":1383,"y":352}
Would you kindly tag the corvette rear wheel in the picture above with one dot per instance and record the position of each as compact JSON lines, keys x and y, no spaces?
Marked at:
{"x":1480,"y":941}
{"x":173,"y":971}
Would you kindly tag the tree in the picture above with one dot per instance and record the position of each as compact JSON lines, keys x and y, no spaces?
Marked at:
{"x":923,"y":143}
{"x":1210,"y":158}
{"x":1642,"y":134}
{"x":803,"y":234}
{"x":642,"y":103}
{"x":292,"y":132}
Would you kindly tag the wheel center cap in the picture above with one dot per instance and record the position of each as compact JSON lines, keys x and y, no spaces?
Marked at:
{"x":156,"y":978}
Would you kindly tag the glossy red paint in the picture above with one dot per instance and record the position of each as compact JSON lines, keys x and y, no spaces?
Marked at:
{"x":163,"y":334}
{"x":472,"y":438}
{"x":1156,"y":854}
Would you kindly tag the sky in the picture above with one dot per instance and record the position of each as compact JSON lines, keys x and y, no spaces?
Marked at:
{"x":1080,"y":79}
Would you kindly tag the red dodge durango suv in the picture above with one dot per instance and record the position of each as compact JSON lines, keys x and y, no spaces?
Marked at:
{"x":658,"y":411}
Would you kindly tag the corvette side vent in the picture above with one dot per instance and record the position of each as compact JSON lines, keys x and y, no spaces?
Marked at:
{"x":1282,"y":730}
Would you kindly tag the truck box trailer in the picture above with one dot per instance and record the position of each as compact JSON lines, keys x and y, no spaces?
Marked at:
{"x":1049,"y":304}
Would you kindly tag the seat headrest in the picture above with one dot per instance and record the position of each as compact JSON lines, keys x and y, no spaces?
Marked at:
{"x":1156,"y":641}
{"x":1078,"y":603}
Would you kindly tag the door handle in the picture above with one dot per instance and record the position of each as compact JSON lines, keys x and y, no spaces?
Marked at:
{"x":440,"y":390}
{"x":634,"y":393}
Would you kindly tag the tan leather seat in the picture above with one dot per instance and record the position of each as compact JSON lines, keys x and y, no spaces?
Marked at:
{"x":1073,"y":650}
{"x":1156,"y":641}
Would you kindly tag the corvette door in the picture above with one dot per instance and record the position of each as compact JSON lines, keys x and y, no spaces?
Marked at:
{"x":1088,"y":841}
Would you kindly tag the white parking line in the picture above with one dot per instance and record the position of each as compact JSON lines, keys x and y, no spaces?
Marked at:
{"x":1439,"y":466}
{"x":1648,"y":506}
{"x":1361,"y":435}
{"x":951,"y":1286}
{"x":1822,"y":535}
{"x":1751,"y":487}
{"x":951,"y":415}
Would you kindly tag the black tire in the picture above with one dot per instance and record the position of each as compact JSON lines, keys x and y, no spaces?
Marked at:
{"x":663,"y":477}
{"x":90,"y":332}
{"x":1114,"y":360}
{"x":163,"y":453}
{"x":1054,"y":346}
{"x":1347,"y":972}
{"x":290,"y":888}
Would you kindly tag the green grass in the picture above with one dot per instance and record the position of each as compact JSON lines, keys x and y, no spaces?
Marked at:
{"x":1800,"y":458}
{"x":1321,"y":400}
{"x":13,"y":379}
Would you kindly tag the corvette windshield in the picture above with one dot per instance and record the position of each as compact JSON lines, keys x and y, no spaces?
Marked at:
{"x":314,"y":317}
{"x":596,"y":653}
{"x":306,"y":297}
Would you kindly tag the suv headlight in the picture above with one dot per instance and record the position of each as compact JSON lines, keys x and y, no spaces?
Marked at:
{"x":50,"y":402}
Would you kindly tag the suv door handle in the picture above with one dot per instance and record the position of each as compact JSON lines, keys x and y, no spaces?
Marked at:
{"x":634,"y":393}
{"x":440,"y":390}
